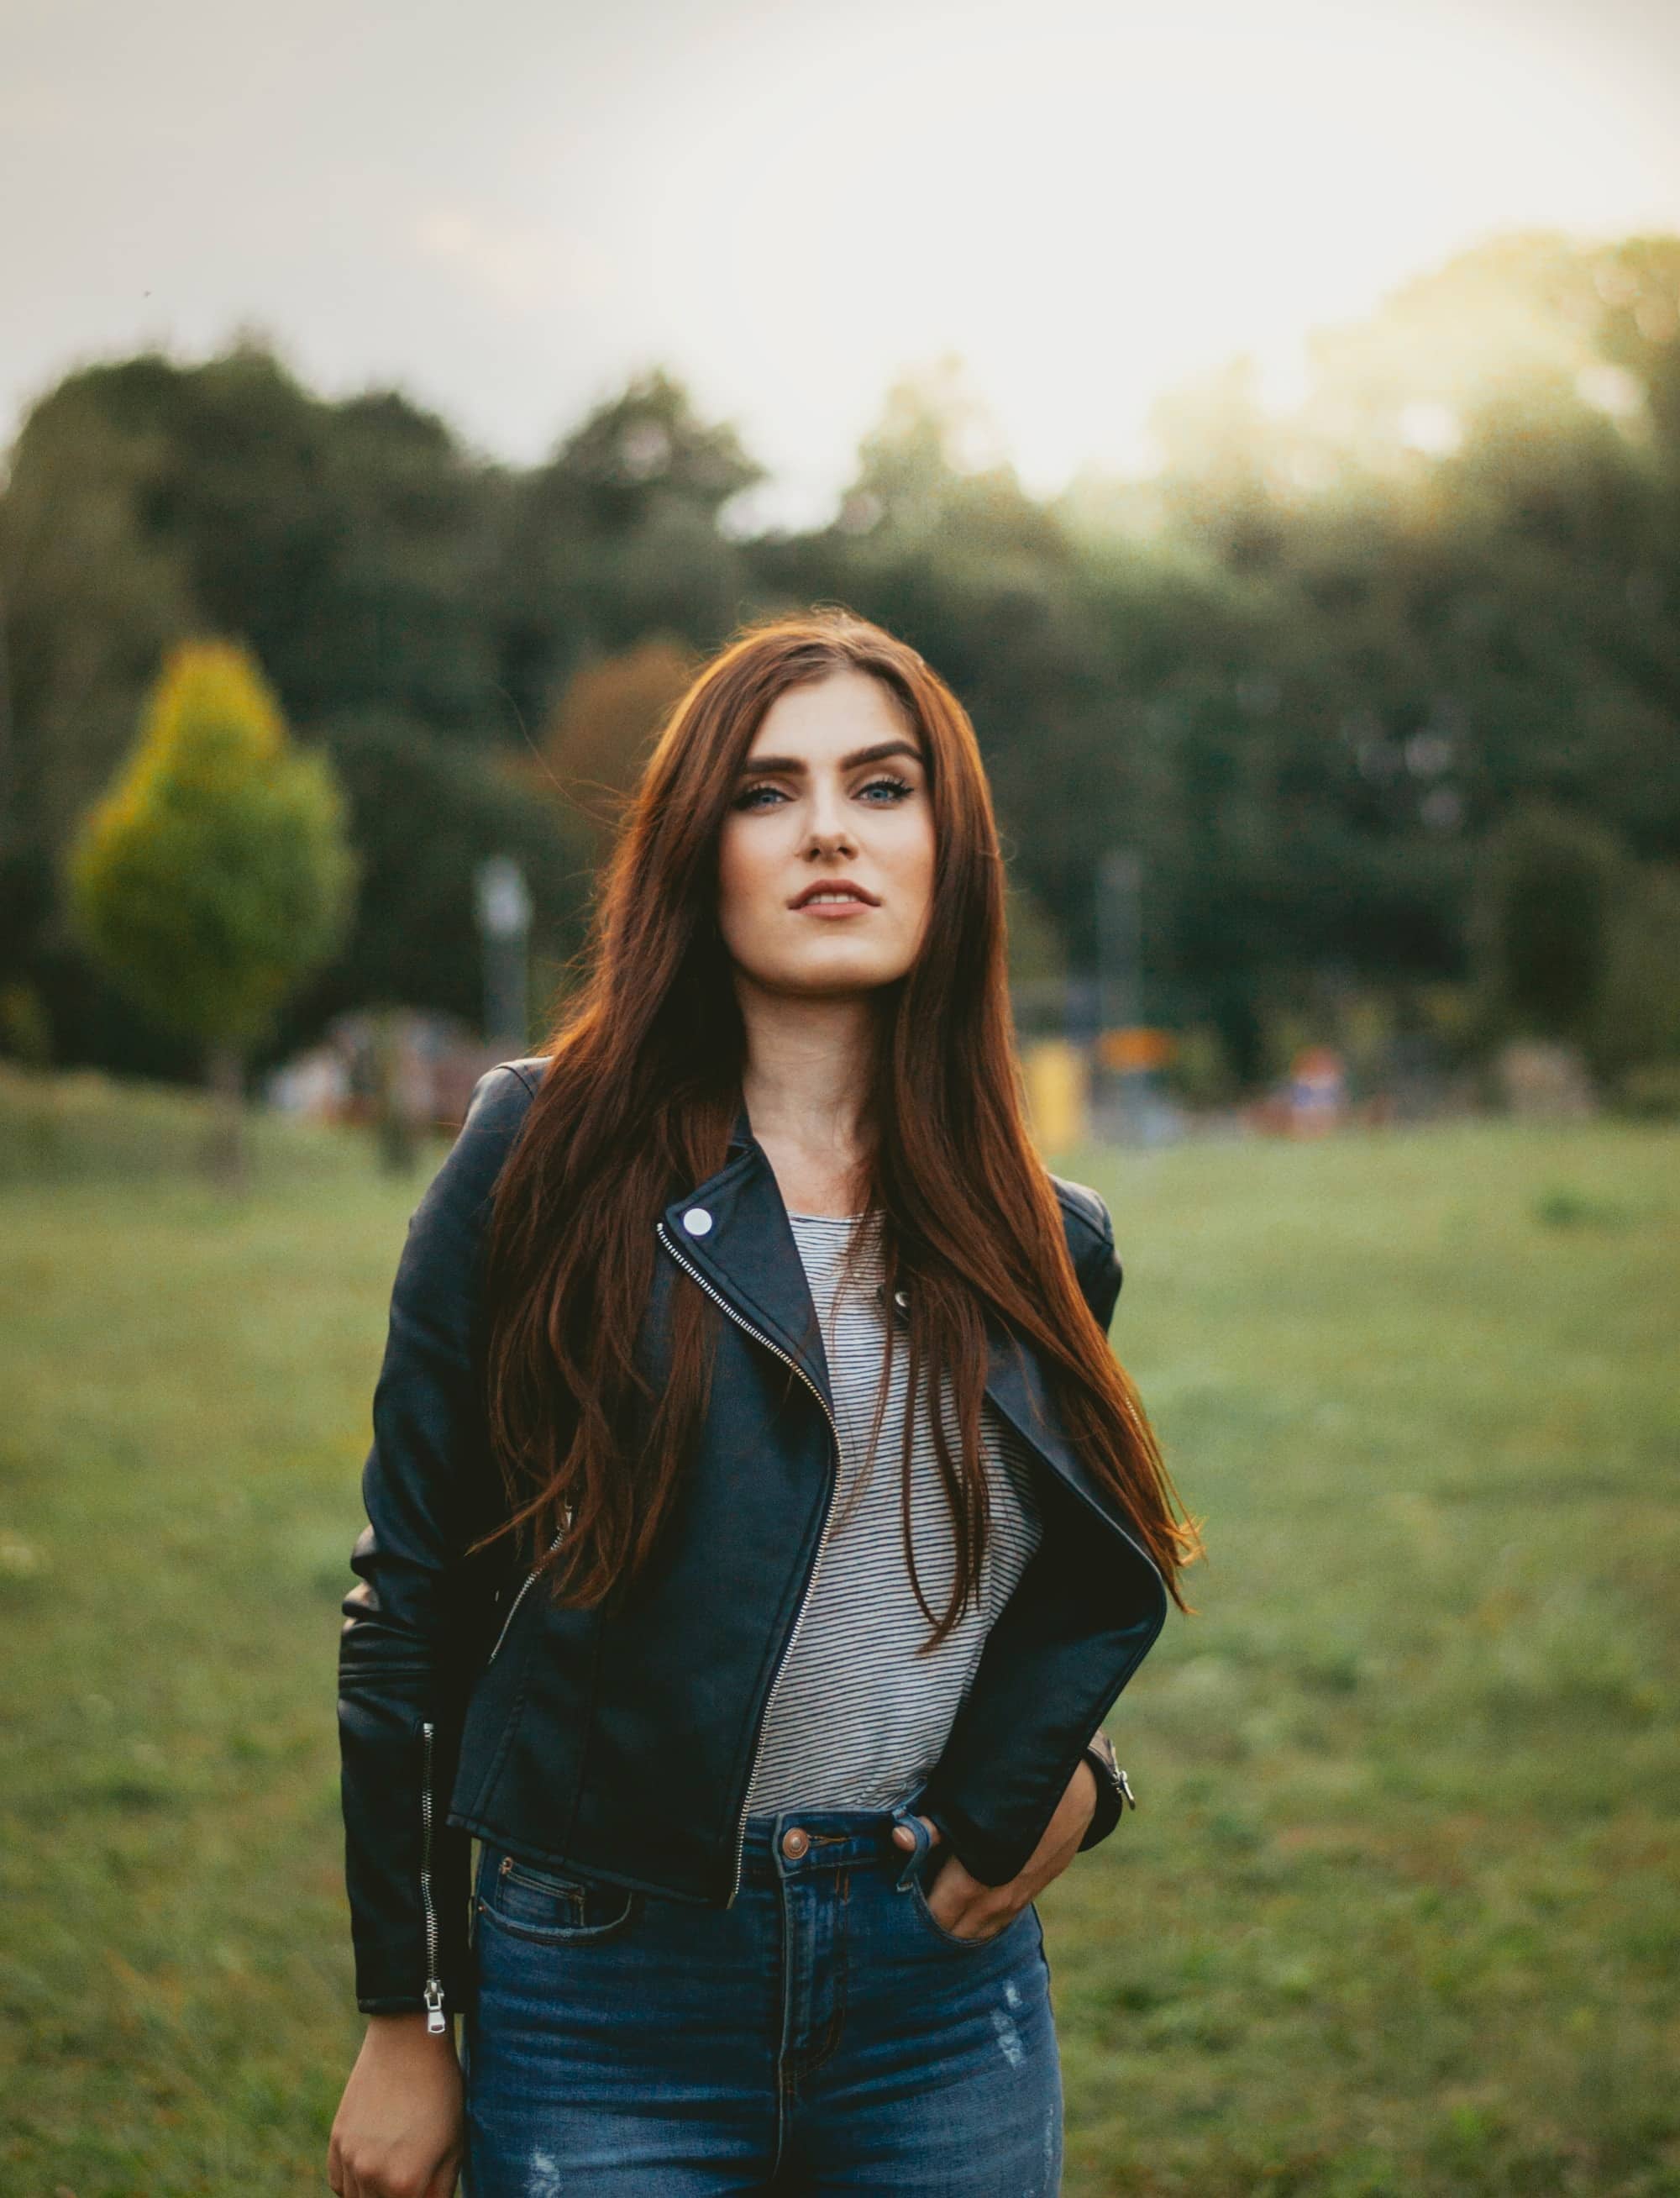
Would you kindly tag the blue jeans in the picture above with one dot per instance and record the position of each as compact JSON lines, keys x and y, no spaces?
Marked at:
{"x":824,"y":2033}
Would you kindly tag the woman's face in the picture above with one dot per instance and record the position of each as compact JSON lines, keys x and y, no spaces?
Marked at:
{"x":834,"y":788}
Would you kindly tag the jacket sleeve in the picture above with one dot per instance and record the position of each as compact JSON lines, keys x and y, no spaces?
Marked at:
{"x":1101,"y":1275}
{"x":413,"y":1629}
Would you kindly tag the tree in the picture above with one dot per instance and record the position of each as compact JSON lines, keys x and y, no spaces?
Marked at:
{"x":216,"y":872}
{"x":347,"y":543}
{"x":1544,"y":921}
{"x":425,"y":811}
{"x":617,"y":537}
{"x":87,"y":606}
{"x":605,"y":724}
{"x":1638,"y":1028}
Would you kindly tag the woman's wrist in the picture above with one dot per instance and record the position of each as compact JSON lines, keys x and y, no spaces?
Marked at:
{"x":402,"y":2027}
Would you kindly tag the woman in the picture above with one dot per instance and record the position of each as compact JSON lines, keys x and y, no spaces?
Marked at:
{"x":771,"y":1695}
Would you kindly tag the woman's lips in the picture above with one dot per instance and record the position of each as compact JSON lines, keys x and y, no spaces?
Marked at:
{"x":849,"y":906}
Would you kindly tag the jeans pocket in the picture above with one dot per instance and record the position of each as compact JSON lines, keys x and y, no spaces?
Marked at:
{"x":919,"y":1897}
{"x":555,"y":1906}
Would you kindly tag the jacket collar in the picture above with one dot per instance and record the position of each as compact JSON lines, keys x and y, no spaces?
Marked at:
{"x":734,"y":1231}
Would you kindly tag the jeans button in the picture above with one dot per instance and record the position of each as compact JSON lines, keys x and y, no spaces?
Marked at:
{"x":795,"y":1842}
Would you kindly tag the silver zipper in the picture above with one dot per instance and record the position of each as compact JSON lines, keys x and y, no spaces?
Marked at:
{"x":434,"y":1993}
{"x":520,"y":1597}
{"x":688,"y":1268}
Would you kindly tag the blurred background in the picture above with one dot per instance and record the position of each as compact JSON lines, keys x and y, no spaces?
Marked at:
{"x":1269,"y":425}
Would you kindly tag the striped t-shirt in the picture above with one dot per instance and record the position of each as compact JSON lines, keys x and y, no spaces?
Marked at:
{"x":856,"y":1719}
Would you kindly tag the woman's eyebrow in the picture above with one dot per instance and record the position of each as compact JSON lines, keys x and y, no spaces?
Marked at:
{"x":793,"y":764}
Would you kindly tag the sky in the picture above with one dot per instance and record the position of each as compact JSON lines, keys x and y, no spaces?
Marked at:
{"x":507,"y":210}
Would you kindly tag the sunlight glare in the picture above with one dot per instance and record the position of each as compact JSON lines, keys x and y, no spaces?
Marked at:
{"x":1090,"y":209}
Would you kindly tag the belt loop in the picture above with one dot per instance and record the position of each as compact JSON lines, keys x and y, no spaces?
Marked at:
{"x":904,"y":1814}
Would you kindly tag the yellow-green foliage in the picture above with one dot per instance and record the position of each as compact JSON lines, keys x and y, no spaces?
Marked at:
{"x":216,"y":872}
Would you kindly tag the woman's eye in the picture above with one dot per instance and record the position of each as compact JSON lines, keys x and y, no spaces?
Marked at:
{"x":897,"y":790}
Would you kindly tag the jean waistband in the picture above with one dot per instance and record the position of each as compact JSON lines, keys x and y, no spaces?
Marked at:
{"x":787,"y":1842}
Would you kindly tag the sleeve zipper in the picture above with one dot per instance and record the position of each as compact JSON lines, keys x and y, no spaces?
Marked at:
{"x":436,"y":2023}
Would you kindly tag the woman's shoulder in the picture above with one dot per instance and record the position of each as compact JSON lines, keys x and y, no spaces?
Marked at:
{"x":528,"y":1072}
{"x":1084,"y":1213}
{"x":499,"y":1103}
{"x":503,"y":1095}
{"x":1089,"y":1230}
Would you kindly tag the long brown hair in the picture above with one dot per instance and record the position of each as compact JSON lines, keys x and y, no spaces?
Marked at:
{"x":637,"y":1105}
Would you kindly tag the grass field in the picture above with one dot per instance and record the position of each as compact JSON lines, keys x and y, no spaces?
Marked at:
{"x":1398,"y":1911}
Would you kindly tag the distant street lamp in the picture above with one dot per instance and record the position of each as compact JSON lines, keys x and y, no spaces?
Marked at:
{"x":1119,"y":888}
{"x":504,"y":908}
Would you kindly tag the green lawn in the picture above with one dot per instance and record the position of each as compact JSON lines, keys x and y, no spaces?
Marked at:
{"x":1398,"y":1912}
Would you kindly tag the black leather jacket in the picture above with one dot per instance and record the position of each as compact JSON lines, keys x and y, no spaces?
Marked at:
{"x":621,"y":1740}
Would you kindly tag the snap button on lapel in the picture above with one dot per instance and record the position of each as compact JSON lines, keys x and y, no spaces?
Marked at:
{"x":696,"y":1221}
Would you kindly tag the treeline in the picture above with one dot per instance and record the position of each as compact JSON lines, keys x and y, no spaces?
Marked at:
{"x":1309,"y":671}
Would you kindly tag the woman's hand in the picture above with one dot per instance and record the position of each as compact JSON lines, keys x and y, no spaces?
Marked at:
{"x":970,"y":1910}
{"x":398,"y":2132}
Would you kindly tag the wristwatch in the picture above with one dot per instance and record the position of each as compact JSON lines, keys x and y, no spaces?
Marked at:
{"x":1113,"y":1790}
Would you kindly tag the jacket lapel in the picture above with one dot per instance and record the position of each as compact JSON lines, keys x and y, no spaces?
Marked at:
{"x":733,"y":1229}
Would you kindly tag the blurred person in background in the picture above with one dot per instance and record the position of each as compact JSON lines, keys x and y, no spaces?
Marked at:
{"x":759,"y":1525}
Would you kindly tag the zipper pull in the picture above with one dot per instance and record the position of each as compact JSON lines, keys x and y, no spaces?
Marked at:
{"x":1128,"y":1798}
{"x":435,"y":2022}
